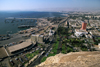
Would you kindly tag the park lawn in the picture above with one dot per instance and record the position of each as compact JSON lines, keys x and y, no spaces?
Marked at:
{"x":54,"y":50}
{"x":63,"y":49}
{"x":31,"y":55}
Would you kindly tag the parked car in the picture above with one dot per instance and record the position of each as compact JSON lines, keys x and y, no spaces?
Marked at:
{"x":16,"y":58}
{"x":11,"y":61}
{"x":21,"y":60}
{"x":25,"y":57}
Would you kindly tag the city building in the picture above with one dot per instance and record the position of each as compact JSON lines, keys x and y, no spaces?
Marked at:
{"x":82,"y":31}
{"x":15,"y":49}
{"x":37,"y":39}
{"x":79,"y":32}
{"x":51,"y":32}
{"x":3,"y":52}
{"x":83,"y":26}
{"x":34,"y":38}
{"x":40,"y":38}
{"x":99,"y":45}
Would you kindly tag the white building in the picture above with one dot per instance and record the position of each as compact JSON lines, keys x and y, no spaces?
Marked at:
{"x":99,"y":45}
{"x":37,"y":38}
{"x":51,"y":32}
{"x":34,"y":38}
{"x":40,"y":38}
{"x":80,"y":33}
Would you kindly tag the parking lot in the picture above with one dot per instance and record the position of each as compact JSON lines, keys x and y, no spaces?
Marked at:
{"x":24,"y":57}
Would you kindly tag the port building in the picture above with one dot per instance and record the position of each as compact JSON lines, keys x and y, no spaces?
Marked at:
{"x":3,"y":52}
{"x":18,"y":48}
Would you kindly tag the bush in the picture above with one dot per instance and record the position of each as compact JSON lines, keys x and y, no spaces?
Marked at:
{"x":84,"y":48}
{"x":50,"y":54}
{"x":43,"y":59}
{"x":69,"y":49}
{"x":96,"y":43}
{"x":63,"y":49}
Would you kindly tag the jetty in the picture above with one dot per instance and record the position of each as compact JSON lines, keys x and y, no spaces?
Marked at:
{"x":25,"y":26}
{"x":19,"y":18}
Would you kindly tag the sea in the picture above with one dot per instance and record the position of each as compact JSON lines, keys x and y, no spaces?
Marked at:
{"x":11,"y":26}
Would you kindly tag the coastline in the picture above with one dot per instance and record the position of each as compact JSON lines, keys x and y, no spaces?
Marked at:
{"x":16,"y":37}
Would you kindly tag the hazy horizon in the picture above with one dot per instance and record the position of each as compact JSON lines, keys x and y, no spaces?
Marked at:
{"x":49,"y":5}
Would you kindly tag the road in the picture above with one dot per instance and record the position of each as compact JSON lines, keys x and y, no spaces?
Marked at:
{"x":15,"y":38}
{"x":38,"y":60}
{"x":60,"y":41}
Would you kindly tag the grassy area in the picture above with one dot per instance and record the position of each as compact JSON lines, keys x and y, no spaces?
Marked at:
{"x":54,"y":51}
{"x":84,"y":48}
{"x":31,"y":55}
{"x":39,"y":44}
{"x":43,"y":59}
{"x":66,"y":49}
{"x":74,"y":42}
{"x":69,"y":49}
{"x":99,"y":38}
{"x":63,"y":48}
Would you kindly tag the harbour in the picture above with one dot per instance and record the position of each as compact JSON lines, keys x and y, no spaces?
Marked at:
{"x":10,"y":21}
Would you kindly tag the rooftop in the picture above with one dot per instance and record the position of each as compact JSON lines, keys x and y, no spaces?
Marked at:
{"x":2,"y":52}
{"x":78,"y":30}
{"x":19,"y":46}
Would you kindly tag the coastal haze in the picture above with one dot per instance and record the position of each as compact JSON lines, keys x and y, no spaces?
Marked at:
{"x":12,"y":27}
{"x":46,"y":33}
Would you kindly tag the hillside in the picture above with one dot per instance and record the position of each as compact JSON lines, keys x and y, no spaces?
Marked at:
{"x":74,"y":59}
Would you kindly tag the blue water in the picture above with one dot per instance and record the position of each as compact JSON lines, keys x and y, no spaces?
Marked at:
{"x":13,"y":27}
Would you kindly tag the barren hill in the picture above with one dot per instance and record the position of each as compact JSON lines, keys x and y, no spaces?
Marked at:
{"x":74,"y":59}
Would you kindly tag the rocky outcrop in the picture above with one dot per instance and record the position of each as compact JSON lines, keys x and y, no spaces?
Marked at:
{"x":74,"y":59}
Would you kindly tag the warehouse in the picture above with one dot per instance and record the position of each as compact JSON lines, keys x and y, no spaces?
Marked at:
{"x":3,"y":53}
{"x":19,"y":48}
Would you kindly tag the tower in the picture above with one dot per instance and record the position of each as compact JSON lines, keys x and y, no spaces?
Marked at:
{"x":83,"y":26}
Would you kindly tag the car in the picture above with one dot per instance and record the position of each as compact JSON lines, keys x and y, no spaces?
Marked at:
{"x":10,"y":44}
{"x":16,"y":58}
{"x":21,"y":41}
{"x":41,"y":48}
{"x":21,"y":53}
{"x":45,"y":48}
{"x":25,"y":57}
{"x":46,"y":54}
{"x":11,"y":61}
{"x":21,"y":60}
{"x":32,"y":51}
{"x":37,"y":48}
{"x":19,"y":65}
{"x":42,"y":52}
{"x":33,"y":33}
{"x":0,"y":59}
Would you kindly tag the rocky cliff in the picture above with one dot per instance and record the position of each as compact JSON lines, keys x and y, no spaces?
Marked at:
{"x":74,"y":59}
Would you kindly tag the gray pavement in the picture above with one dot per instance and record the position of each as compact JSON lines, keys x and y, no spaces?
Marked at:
{"x":15,"y":38}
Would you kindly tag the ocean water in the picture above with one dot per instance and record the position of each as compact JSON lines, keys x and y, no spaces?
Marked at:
{"x":7,"y":26}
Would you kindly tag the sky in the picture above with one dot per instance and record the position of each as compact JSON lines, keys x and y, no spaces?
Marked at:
{"x":48,"y":5}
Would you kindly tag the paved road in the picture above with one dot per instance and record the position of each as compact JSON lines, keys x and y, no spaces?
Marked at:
{"x":16,"y":38}
{"x":38,"y":60}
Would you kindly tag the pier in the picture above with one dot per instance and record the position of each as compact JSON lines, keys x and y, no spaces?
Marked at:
{"x":20,"y":18}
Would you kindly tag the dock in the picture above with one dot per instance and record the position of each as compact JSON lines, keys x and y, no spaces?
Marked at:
{"x":25,"y":26}
{"x":20,"y":18}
